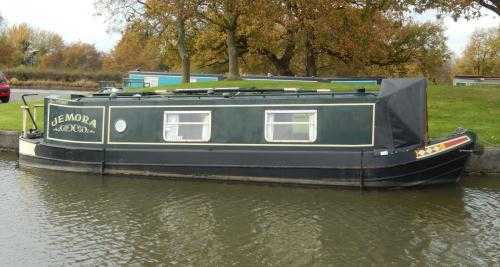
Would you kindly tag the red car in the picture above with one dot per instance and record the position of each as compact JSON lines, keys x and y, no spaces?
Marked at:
{"x":4,"y":89}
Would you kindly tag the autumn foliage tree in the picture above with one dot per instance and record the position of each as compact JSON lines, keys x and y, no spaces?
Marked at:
{"x":170,"y":22}
{"x":227,"y":16}
{"x":135,"y":41}
{"x":285,"y":37}
{"x":457,"y":8}
{"x":7,"y":50}
{"x":482,"y":54}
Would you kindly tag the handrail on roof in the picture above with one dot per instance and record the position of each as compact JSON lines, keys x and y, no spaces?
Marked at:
{"x":245,"y":90}
{"x":229,"y":92}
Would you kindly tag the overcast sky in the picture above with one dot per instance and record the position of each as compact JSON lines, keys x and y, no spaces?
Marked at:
{"x":75,"y":20}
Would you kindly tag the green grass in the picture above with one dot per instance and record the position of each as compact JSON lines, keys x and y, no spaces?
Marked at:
{"x":473,"y":107}
{"x":269,"y":85}
{"x":11,"y":116}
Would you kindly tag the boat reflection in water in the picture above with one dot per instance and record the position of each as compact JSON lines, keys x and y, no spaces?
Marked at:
{"x":82,"y":219}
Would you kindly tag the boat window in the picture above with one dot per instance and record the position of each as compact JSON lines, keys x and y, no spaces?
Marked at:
{"x":290,"y":125}
{"x":186,"y":126}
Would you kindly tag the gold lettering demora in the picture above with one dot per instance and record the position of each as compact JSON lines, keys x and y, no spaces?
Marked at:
{"x":74,"y":117}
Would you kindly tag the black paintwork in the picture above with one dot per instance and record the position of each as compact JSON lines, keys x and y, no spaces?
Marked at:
{"x":330,"y":167}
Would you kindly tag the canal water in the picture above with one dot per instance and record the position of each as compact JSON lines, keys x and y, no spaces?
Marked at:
{"x":49,"y":218}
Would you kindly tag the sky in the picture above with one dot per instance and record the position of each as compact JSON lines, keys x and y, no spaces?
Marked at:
{"x":458,"y":32}
{"x":75,"y":20}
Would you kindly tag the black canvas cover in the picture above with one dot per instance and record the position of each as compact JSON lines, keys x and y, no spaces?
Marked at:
{"x":401,"y":113}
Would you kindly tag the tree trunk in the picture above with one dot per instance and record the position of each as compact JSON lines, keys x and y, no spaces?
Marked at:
{"x":232,"y":52}
{"x":186,"y":68}
{"x":183,"y":51}
{"x":283,"y":68}
{"x":310,"y":57}
{"x":182,"y":48}
{"x":282,"y":64}
{"x":231,"y":18}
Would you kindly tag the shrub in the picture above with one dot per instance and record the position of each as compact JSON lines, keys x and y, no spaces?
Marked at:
{"x":28,"y":74}
{"x":78,"y":85}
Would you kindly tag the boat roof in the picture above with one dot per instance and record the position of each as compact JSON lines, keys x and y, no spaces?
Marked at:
{"x":230,"y":93}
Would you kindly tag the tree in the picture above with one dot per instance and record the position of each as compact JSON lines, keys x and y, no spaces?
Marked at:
{"x":227,"y":15}
{"x":210,"y":49}
{"x":135,"y":50}
{"x":457,"y":8}
{"x":76,"y":56}
{"x":81,"y":56}
{"x":289,"y":37}
{"x":431,"y":57}
{"x":7,"y":52}
{"x":272,"y":33}
{"x":493,"y":5}
{"x":20,"y":37}
{"x":162,"y":16}
{"x":46,"y":42}
{"x":176,"y":18}
{"x":482,"y":54}
{"x":32,"y":45}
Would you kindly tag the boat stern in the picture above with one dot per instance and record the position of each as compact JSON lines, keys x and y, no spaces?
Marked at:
{"x":27,"y":147}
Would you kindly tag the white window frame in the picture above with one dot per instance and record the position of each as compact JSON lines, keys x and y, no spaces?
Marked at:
{"x":313,"y":125}
{"x":165,"y":124}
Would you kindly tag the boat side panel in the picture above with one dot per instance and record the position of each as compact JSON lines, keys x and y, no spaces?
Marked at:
{"x":343,"y":125}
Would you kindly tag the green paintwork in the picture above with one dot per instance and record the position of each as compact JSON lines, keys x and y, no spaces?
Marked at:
{"x":75,"y":123}
{"x":336,"y":124}
{"x":342,"y":125}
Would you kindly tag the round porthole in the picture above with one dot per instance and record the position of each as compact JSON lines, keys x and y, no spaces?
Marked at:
{"x":120,"y":126}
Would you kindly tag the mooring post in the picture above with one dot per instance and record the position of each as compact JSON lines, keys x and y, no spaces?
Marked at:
{"x":23,"y":97}
{"x":25,"y":118}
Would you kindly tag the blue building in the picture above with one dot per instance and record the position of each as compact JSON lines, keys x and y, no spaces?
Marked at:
{"x":139,"y":79}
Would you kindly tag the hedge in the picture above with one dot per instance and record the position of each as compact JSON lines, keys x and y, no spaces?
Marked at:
{"x":60,"y":85}
{"x":31,"y":74}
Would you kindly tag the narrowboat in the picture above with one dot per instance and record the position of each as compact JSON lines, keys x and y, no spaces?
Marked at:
{"x":323,"y":137}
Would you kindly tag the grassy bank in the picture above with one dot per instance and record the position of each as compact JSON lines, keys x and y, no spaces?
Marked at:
{"x":476,"y":108}
{"x":11,"y":116}
{"x":270,"y":84}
